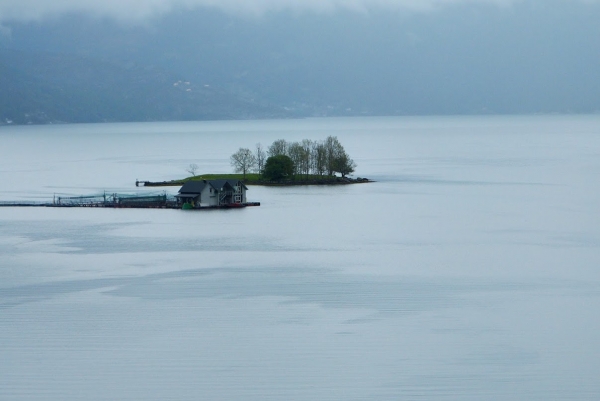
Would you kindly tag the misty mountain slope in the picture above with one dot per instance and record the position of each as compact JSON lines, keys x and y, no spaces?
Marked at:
{"x":46,"y":87}
{"x":531,"y":56}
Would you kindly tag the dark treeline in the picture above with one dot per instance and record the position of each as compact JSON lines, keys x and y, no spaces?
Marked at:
{"x":307,"y":157}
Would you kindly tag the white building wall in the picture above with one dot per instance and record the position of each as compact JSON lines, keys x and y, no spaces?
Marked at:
{"x":243,"y":195}
{"x":208,"y":197}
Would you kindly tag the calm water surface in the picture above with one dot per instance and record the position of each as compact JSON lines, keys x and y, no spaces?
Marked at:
{"x":468,"y":271}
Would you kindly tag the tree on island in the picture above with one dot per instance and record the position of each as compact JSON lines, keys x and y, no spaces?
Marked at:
{"x":306,"y":157}
{"x":295,"y":152}
{"x":344,"y":164}
{"x":337,"y":160}
{"x":279,"y":147}
{"x":278,"y":167}
{"x":318,"y":157}
{"x":192,"y":169}
{"x":261,"y":156}
{"x":243,"y":160}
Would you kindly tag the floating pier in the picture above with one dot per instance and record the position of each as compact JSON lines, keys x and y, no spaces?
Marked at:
{"x":114,"y":200}
{"x":157,"y":183}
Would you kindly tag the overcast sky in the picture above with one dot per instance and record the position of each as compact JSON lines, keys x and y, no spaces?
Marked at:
{"x":140,"y":10}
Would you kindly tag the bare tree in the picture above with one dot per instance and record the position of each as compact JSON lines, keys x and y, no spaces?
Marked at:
{"x":295,"y":153}
{"x":192,"y":169}
{"x":243,"y":160}
{"x":260,"y":156}
{"x":299,"y":152}
{"x":319,"y":158}
{"x":307,"y":147}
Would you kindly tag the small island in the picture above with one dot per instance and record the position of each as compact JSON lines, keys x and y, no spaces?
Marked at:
{"x":256,"y":179}
{"x":284,"y":163}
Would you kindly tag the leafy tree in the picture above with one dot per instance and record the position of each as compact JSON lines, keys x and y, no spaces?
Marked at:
{"x":243,"y":160}
{"x":279,"y":147}
{"x":278,"y":167}
{"x":333,"y":150}
{"x":337,"y":158}
{"x":344,"y":164}
{"x":306,"y":157}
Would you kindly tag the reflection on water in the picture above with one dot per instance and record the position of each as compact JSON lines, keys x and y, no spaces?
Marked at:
{"x":468,"y":271}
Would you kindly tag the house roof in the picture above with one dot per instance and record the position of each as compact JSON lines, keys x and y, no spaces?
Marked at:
{"x":193,"y":187}
{"x":196,"y":187}
{"x":218,"y":184}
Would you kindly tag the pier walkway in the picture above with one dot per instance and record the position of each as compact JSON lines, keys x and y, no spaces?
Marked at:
{"x":114,"y":200}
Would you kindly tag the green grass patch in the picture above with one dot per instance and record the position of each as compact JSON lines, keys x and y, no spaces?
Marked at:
{"x":257,"y":178}
{"x":249,"y":177}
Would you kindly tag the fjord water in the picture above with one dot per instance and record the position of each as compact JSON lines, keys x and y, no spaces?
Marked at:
{"x":468,"y":271}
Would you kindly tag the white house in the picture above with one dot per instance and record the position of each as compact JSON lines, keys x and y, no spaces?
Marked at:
{"x":213,"y":193}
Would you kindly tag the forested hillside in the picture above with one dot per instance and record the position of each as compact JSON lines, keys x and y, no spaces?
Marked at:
{"x":51,"y":88}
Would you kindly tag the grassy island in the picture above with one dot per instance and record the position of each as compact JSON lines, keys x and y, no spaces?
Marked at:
{"x":288,"y":163}
{"x":257,"y":179}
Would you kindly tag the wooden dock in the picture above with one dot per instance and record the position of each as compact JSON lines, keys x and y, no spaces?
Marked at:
{"x":118,"y":201}
{"x":172,"y":183}
{"x":117,"y":206}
